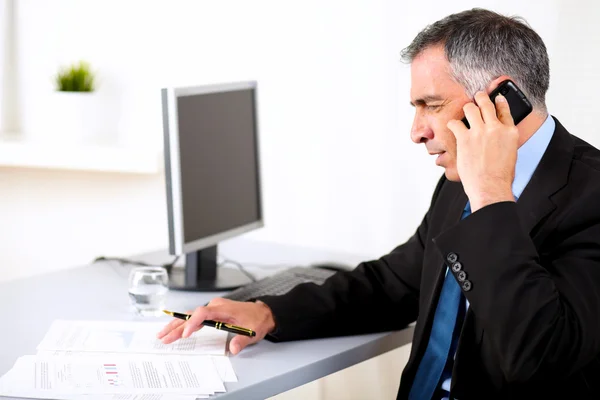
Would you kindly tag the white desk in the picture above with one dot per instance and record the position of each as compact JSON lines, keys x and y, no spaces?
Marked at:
{"x":100,"y":292}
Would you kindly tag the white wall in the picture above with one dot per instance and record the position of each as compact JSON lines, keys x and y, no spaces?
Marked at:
{"x":339,"y":170}
{"x":575,"y":74}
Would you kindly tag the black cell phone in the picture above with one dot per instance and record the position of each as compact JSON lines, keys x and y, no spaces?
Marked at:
{"x":520,"y":107}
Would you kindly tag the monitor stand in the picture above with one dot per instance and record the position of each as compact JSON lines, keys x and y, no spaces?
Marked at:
{"x":201,"y":274}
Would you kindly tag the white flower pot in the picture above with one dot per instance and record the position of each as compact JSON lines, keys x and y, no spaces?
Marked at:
{"x":72,"y":118}
{"x":76,"y":117}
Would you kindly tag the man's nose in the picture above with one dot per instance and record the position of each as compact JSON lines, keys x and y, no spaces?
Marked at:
{"x":420,"y":131}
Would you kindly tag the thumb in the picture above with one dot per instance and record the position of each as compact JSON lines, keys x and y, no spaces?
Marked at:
{"x":238,"y":343}
{"x":503,"y":111}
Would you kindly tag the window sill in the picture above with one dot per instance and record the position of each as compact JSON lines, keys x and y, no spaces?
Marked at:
{"x":16,"y":153}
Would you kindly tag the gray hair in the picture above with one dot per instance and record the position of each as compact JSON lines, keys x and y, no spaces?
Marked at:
{"x":482,"y":45}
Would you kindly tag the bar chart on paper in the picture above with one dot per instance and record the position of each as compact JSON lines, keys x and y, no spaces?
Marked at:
{"x":111,"y":374}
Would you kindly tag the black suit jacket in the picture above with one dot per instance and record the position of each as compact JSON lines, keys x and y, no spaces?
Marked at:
{"x":532,"y":330}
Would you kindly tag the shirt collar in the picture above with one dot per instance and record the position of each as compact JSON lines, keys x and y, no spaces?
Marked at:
{"x":530,"y":154}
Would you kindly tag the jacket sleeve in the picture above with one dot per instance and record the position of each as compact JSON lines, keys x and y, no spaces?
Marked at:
{"x":376,"y":296}
{"x":541,"y":312}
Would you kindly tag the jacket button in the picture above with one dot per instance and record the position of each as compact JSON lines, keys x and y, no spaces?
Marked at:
{"x":462,"y":275}
{"x":452,"y":257}
{"x":467,"y":286}
{"x":457,"y":266}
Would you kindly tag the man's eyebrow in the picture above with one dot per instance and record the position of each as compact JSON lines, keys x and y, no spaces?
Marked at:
{"x":425,"y":99}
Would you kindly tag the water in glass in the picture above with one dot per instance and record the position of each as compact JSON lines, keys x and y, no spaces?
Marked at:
{"x":148,"y":287}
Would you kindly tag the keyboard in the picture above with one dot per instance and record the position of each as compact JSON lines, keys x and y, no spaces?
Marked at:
{"x":280,"y":283}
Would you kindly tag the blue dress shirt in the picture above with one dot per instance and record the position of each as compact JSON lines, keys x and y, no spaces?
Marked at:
{"x":528,"y":158}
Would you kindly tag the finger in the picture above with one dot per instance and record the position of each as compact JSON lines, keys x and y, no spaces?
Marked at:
{"x":188,"y":330}
{"x":174,"y":335}
{"x":457,"y":128}
{"x":503,"y":111}
{"x":217,"y":301}
{"x":212,"y":312}
{"x":238,"y":343}
{"x":195,"y":321}
{"x":169,"y":327}
{"x":473,"y":115}
{"x":486,"y":107}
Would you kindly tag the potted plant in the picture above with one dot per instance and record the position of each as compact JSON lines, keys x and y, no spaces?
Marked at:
{"x":77,"y":108}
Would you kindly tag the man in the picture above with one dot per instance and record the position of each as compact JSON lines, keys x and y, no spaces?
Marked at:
{"x":503,"y":274}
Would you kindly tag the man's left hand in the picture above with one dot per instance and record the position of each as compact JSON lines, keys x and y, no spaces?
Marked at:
{"x":486,"y":154}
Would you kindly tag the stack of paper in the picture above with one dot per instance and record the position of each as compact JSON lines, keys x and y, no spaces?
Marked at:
{"x":120,"y":361}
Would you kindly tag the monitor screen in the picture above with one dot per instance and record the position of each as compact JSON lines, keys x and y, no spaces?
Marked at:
{"x":218,"y":161}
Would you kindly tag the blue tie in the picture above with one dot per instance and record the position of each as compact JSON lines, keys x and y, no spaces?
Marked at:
{"x":443,"y":332}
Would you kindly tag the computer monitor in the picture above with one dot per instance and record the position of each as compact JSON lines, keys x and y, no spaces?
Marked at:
{"x":212,"y":178}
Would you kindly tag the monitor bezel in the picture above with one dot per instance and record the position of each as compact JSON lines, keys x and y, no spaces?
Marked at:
{"x":177,"y":246}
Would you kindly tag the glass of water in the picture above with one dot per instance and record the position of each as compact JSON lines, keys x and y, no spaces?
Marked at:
{"x":148,"y":287}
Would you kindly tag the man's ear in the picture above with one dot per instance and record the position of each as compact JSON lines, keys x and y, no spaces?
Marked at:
{"x":496,"y":82}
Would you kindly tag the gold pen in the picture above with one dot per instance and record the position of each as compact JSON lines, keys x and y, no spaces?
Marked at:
{"x":215,"y":324}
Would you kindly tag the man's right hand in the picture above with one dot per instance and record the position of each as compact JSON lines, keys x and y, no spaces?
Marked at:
{"x":256,"y":316}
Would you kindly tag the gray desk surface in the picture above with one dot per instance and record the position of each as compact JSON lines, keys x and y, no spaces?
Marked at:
{"x":99,"y":292}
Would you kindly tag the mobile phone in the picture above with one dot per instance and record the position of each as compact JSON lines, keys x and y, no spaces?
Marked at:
{"x":520,"y":107}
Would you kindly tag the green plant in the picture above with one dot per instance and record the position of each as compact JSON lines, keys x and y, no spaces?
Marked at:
{"x":75,"y":78}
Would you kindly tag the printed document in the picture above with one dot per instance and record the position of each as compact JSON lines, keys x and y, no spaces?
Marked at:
{"x":221,"y":363}
{"x":66,"y":376}
{"x":128,"y":337}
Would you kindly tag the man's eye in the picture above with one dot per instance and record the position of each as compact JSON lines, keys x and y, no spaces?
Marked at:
{"x":433,"y":107}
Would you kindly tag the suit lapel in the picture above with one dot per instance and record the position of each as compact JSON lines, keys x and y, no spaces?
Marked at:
{"x":549,"y":177}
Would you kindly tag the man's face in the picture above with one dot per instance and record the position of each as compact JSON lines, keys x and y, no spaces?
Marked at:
{"x":437,"y":99}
